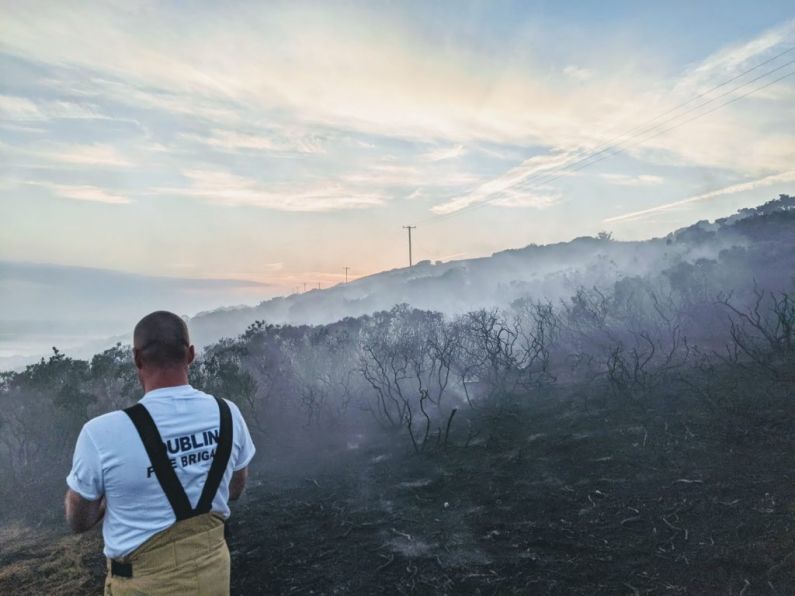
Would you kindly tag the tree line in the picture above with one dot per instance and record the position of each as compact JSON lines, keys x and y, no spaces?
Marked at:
{"x":694,"y":331}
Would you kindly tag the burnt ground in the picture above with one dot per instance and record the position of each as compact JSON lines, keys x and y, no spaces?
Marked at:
{"x":553,"y":500}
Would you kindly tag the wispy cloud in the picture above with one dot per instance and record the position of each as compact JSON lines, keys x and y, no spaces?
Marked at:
{"x":738,"y":140}
{"x":443,"y":153}
{"x":402,"y":175}
{"x":93,"y":155}
{"x":510,"y":181}
{"x":728,"y":190}
{"x":312,"y":74}
{"x":90,"y":155}
{"x":234,"y":141}
{"x":88,"y":193}
{"x":627,"y":180}
{"x":224,"y":188}
{"x":19,"y":108}
{"x":538,"y":200}
{"x":343,"y":106}
{"x":24,"y":109}
{"x":738,"y":56}
{"x":231,"y":141}
{"x":578,"y":73}
{"x":447,"y":97}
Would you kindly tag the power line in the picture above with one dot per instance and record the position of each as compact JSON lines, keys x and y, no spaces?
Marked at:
{"x":696,"y":97}
{"x":663,"y":131}
{"x":584,"y":160}
{"x":607,"y":149}
{"x":691,"y":110}
{"x":612,"y":150}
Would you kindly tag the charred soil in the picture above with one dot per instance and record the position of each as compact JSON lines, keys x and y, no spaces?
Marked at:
{"x":554,"y":499}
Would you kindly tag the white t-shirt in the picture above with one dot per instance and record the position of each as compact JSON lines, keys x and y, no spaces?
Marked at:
{"x":110,"y":460}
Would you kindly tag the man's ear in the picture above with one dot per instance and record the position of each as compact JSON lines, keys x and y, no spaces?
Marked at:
{"x":138,"y":359}
{"x":191,"y":353}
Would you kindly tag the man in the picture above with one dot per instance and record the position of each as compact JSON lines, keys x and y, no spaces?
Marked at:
{"x":161,"y":474}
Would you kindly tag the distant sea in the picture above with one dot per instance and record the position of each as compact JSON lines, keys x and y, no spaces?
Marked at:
{"x":18,"y":350}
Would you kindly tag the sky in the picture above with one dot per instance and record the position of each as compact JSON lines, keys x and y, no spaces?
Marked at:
{"x":279,"y":142}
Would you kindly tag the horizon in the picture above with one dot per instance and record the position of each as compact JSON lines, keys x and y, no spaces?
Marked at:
{"x":96,"y":307}
{"x":297,"y":289}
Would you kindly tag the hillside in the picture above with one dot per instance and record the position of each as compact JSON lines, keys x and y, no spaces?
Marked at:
{"x":548,"y":272}
{"x":545,"y":272}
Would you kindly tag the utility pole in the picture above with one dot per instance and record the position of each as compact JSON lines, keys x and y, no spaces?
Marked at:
{"x":304,"y":286}
{"x":318,"y":285}
{"x":409,"y":228}
{"x":346,"y":274}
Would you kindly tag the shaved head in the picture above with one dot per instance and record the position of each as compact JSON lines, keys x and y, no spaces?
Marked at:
{"x":161,"y":339}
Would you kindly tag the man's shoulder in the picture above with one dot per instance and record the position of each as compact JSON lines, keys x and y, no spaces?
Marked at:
{"x":234,"y":408}
{"x":232,"y":405}
{"x":106,"y":424}
{"x":237,"y":415}
{"x":108,"y":419}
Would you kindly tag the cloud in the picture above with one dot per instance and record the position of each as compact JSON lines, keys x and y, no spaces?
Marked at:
{"x":513,"y":198}
{"x":402,"y":175}
{"x":739,"y":56}
{"x":328,"y":71}
{"x":297,"y":82}
{"x":625,"y":180}
{"x":90,"y":155}
{"x":332,"y":72}
{"x":735,"y":139}
{"x":231,"y":141}
{"x":94,"y":155}
{"x":36,"y":130}
{"x":234,"y":141}
{"x":733,"y":189}
{"x":224,"y":188}
{"x":443,"y":153}
{"x":83,"y":193}
{"x":577,"y":73}
{"x":510,"y":181}
{"x":24,"y":109}
{"x":19,"y":108}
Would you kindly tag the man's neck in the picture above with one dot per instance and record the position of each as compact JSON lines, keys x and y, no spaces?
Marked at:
{"x":164,"y":378}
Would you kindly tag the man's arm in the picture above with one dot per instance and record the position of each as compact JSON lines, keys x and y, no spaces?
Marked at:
{"x":237,"y":484}
{"x":82,"y":514}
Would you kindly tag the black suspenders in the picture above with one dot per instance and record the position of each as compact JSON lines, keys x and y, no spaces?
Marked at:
{"x":156,"y":450}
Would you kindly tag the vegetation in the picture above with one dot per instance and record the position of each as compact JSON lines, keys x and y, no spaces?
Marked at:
{"x":662,"y":375}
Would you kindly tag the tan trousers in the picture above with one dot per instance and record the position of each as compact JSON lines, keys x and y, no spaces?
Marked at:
{"x":190,"y":557}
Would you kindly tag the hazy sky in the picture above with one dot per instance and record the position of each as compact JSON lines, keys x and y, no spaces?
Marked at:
{"x":280,"y":142}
